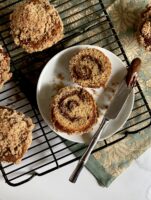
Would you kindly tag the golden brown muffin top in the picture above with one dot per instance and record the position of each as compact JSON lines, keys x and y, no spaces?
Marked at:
{"x":15,"y":134}
{"x":144,"y":28}
{"x":36,"y":25}
{"x":5,"y":74}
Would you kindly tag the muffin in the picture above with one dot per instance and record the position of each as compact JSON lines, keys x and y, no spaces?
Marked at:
{"x":5,"y":74}
{"x":15,"y":135}
{"x":36,"y":25}
{"x":144,"y":29}
{"x":73,"y":110}
{"x":90,"y":68}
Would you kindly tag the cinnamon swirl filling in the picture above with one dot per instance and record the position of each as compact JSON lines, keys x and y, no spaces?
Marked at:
{"x":90,"y":68}
{"x":73,"y":110}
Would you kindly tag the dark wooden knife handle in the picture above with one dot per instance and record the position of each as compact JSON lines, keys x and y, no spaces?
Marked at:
{"x":133,"y":70}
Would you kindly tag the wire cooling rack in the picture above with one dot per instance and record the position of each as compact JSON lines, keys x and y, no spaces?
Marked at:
{"x":85,"y":22}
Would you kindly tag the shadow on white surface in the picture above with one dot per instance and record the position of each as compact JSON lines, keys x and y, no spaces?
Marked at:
{"x":144,"y":161}
{"x":133,"y":184}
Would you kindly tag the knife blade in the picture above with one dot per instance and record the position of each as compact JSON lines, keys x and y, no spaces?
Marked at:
{"x":115,"y":107}
{"x":118,"y":101}
{"x":123,"y":90}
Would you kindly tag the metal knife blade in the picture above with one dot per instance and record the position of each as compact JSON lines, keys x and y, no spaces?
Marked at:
{"x":118,"y":101}
{"x":123,"y":90}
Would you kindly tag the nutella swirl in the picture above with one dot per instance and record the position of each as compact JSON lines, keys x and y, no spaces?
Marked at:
{"x":82,"y":72}
{"x":66,"y":106}
{"x":90,"y":68}
{"x":73,"y":110}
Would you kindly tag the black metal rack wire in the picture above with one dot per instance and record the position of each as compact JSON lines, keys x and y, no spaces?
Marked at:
{"x":85,"y":22}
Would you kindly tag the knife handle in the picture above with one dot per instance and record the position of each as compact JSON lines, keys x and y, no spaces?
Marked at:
{"x":83,"y":160}
{"x":132,"y":73}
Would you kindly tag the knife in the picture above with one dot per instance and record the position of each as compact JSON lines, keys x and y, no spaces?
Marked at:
{"x":112,"y":112}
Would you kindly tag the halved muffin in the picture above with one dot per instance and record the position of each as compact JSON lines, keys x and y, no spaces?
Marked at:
{"x":73,"y":110}
{"x":90,"y":68}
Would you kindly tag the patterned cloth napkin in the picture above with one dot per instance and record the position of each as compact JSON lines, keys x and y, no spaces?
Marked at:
{"x":110,"y":162}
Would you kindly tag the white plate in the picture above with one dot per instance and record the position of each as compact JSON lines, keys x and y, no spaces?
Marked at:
{"x":59,"y":65}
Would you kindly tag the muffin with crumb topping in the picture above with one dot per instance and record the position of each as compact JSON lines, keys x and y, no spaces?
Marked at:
{"x":36,"y":25}
{"x":144,"y":29}
{"x":15,"y":135}
{"x":5,"y":73}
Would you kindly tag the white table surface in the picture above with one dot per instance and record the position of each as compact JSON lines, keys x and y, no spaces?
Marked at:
{"x":133,"y":184}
